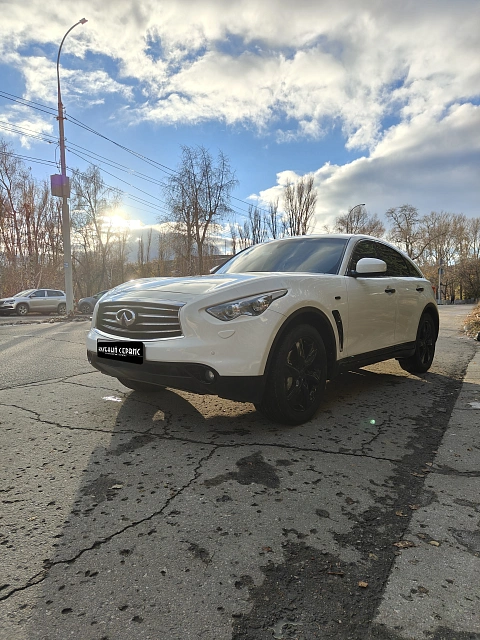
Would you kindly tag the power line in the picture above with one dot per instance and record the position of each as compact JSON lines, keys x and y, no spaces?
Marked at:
{"x":140,"y":156}
{"x":29,"y":159}
{"x":117,"y":178}
{"x":30,"y":133}
{"x":28,"y":103}
{"x":51,"y":163}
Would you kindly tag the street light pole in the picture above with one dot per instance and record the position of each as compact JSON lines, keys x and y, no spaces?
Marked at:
{"x":357,"y":205}
{"x":362,"y":204}
{"x":65,"y":189}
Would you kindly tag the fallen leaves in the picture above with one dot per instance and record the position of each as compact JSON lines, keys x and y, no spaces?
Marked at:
{"x":363,"y":584}
{"x":404,"y":544}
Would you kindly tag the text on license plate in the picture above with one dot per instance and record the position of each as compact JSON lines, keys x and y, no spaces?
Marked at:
{"x":126,"y":352}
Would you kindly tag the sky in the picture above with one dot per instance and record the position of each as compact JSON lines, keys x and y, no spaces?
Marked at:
{"x":378,"y":99}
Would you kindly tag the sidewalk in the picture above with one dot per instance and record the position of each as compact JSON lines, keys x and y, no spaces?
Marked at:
{"x":434,"y":587}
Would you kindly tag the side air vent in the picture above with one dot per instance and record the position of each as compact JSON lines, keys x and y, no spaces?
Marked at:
{"x":339,"y":323}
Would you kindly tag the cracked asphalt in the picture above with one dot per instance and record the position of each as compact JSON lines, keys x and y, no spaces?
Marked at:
{"x":176,"y":517}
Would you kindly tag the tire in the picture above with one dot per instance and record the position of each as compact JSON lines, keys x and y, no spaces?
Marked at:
{"x":85,"y":308}
{"x":62,"y":309}
{"x":136,"y":385}
{"x":22,"y":309}
{"x":297,"y":377}
{"x":422,"y":359}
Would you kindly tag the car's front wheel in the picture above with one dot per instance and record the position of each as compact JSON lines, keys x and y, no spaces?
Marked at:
{"x":422,"y":359}
{"x":136,"y":385}
{"x":85,"y":308}
{"x":22,"y":309}
{"x":62,"y":309}
{"x":297,"y":377}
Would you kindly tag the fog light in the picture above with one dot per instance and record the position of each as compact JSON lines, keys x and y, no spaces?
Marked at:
{"x":209,"y":376}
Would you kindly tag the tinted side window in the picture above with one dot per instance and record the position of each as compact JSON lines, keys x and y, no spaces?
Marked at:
{"x":54,"y":294}
{"x":38,"y":294}
{"x":363,"y":249}
{"x":396,"y":263}
{"x":413,"y":272}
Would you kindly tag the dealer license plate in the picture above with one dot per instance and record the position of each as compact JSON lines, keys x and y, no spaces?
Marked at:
{"x":124,"y":351}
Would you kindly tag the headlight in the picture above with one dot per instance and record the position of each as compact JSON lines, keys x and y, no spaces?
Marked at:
{"x":253,"y":306}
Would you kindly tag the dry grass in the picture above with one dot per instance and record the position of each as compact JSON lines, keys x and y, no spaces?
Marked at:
{"x":472,"y":322}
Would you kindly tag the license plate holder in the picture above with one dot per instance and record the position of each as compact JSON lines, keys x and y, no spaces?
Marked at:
{"x":131,"y":352}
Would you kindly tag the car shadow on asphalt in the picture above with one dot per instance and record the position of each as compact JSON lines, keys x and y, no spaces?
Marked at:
{"x":132,"y":540}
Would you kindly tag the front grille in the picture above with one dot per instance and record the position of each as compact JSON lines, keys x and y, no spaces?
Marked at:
{"x":153,"y":320}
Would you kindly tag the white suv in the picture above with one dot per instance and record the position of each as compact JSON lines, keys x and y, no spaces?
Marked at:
{"x":271,"y":325}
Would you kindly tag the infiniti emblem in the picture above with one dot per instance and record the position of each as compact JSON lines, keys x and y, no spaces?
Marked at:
{"x":125,"y":317}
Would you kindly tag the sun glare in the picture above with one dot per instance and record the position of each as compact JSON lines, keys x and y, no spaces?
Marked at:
{"x":121,"y":223}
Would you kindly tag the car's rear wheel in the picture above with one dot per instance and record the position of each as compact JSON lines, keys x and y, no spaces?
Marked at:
{"x":136,"y":385}
{"x":422,"y":359}
{"x":297,"y":377}
{"x":62,"y":309}
{"x":22,"y":309}
{"x":85,"y":308}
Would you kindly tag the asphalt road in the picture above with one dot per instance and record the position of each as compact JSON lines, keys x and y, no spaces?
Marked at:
{"x":178,"y":517}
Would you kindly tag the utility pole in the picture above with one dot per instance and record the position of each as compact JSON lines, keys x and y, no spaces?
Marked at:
{"x":60,"y":186}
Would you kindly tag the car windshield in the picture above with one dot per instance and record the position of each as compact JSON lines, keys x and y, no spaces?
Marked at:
{"x":306,"y":254}
{"x":23,"y":294}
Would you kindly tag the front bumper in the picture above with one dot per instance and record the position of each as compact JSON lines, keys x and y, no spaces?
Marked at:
{"x":184,"y":376}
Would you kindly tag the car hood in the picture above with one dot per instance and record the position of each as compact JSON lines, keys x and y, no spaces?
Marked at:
{"x":191,"y":286}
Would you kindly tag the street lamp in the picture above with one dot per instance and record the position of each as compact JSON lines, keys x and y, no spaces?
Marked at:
{"x":61,"y":187}
{"x":357,"y":205}
{"x":348,"y":216}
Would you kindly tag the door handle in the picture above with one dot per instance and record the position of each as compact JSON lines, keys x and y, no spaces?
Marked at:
{"x":419,"y":288}
{"x":389,"y":290}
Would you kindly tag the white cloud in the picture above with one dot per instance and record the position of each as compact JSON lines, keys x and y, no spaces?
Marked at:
{"x":431,"y":164}
{"x":401,"y":80}
{"x":253,"y":62}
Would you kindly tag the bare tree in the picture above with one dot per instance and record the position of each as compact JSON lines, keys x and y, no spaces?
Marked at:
{"x":245,"y":235}
{"x":165,"y":253}
{"x":272,"y":221}
{"x":30,"y":223}
{"x":94,"y":236}
{"x":357,"y":220}
{"x":299,"y":200}
{"x":257,"y":225}
{"x":198,"y":195}
{"x":144,"y":268}
{"x":234,"y":237}
{"x":405,"y":231}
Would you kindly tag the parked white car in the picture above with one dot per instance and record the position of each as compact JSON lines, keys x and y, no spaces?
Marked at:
{"x":271,"y":325}
{"x":40,"y":300}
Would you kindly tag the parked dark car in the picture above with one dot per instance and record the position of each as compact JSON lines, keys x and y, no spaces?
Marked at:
{"x":87,"y":305}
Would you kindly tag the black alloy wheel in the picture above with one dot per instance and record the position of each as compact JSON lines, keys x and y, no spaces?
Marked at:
{"x":422,"y":359}
{"x":86,"y":308}
{"x":297,"y":377}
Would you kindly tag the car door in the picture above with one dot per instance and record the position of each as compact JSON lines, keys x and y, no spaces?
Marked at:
{"x":37,"y":300}
{"x":54,"y":298}
{"x":371,"y":306}
{"x":410,"y":287}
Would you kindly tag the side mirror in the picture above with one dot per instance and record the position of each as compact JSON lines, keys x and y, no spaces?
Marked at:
{"x":369,"y":267}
